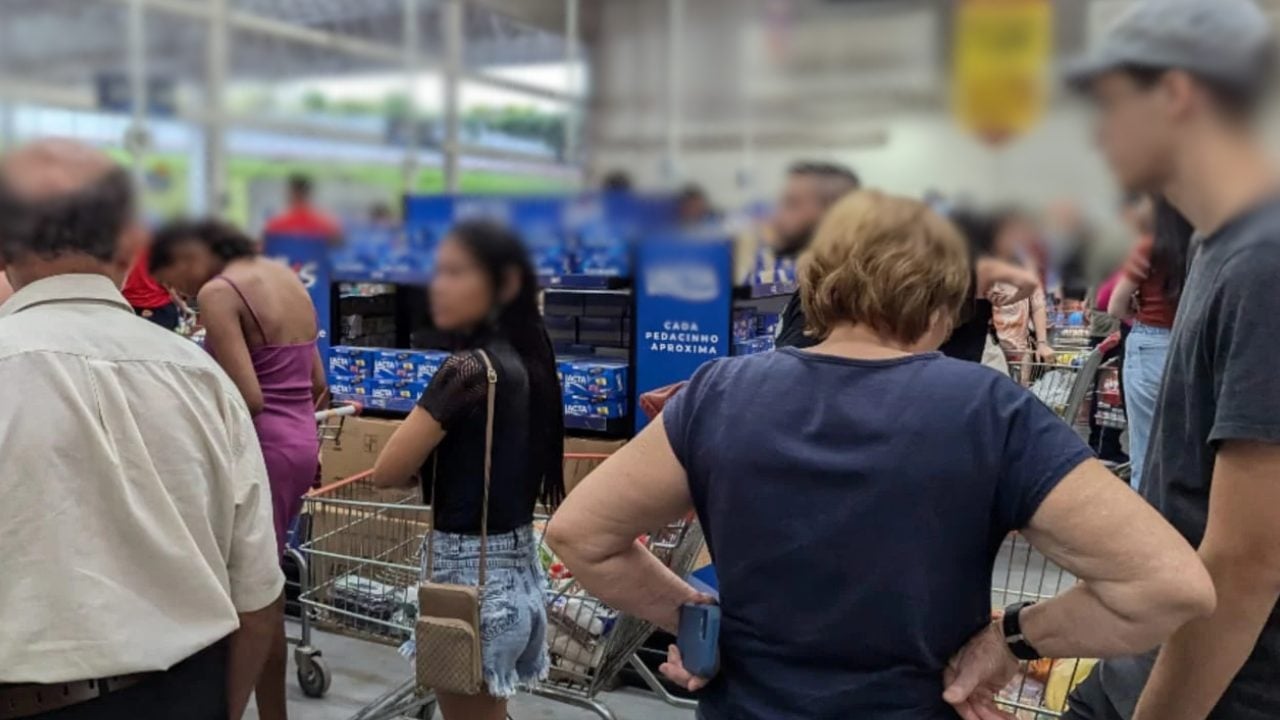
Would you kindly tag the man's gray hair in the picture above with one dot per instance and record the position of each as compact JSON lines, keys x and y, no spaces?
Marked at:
{"x":86,"y":221}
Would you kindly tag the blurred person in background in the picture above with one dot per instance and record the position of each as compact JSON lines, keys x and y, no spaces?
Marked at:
{"x":1070,"y":246}
{"x":1178,"y":87}
{"x":900,"y":627}
{"x":485,"y":294}
{"x":301,"y":218}
{"x":381,"y":215}
{"x":149,"y":299}
{"x":6,"y":290}
{"x":135,"y":534}
{"x":261,"y":327}
{"x":617,"y":181}
{"x":811,"y":189}
{"x":992,"y":282}
{"x":1147,"y":294}
{"x":694,"y":209}
{"x":1019,"y":324}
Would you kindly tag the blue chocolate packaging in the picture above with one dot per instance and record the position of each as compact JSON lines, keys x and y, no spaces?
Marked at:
{"x":426,"y":363}
{"x":395,"y":394}
{"x":348,"y":363}
{"x":393,"y":365}
{"x":744,"y":324}
{"x":347,"y":389}
{"x":767,"y":324}
{"x":590,"y":378}
{"x":595,"y":407}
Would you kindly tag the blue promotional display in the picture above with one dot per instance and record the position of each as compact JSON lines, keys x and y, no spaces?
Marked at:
{"x":309,"y":258}
{"x":684,"y":302}
{"x":427,"y":219}
{"x":541,"y":222}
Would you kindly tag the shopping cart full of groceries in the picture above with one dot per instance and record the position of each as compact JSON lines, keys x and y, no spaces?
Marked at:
{"x":1065,"y":383}
{"x":1021,"y":574}
{"x":1080,"y":384}
{"x":364,"y":556}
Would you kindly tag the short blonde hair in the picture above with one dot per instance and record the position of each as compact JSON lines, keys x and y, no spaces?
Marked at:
{"x":887,"y":262}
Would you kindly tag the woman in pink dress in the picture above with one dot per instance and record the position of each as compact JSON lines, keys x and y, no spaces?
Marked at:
{"x":261,"y":327}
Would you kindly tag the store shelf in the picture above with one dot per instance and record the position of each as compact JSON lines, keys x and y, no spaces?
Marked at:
{"x":585,"y":283}
{"x":604,"y":425}
{"x":394,"y":406}
{"x":399,"y":407}
{"x":394,"y":277}
{"x":767,"y":290}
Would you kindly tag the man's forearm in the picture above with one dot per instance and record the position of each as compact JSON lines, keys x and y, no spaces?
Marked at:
{"x":1084,"y":623}
{"x":1198,"y":663}
{"x":249,"y":647}
{"x":636,"y":583}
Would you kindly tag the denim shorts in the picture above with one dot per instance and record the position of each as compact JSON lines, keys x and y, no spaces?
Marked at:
{"x":513,"y":606}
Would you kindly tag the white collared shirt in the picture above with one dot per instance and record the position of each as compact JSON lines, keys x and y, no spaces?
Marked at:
{"x":135,"y":514}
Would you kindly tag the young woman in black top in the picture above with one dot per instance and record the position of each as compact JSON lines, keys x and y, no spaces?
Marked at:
{"x":484,"y":295}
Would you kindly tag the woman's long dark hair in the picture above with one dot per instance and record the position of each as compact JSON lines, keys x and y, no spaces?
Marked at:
{"x":499,"y":251}
{"x":1171,"y":247}
{"x":224,"y":240}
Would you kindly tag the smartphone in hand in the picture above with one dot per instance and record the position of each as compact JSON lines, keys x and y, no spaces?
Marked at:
{"x":699,"y":639}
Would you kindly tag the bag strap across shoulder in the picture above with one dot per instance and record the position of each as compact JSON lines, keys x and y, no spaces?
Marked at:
{"x":491,"y":376}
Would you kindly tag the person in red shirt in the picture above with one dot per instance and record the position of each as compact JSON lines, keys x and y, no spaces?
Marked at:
{"x":149,"y":298}
{"x":302,"y":219}
{"x":1148,"y":294}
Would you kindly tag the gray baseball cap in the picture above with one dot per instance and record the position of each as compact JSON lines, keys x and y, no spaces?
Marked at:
{"x":1229,"y":41}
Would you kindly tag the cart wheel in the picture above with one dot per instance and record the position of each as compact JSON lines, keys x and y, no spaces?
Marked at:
{"x":428,"y":711}
{"x":313,"y":675}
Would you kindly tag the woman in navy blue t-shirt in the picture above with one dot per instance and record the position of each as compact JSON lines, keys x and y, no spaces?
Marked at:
{"x":854,"y":496}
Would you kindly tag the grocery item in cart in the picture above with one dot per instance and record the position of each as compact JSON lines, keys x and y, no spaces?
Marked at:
{"x":585,"y":613}
{"x":1054,"y":389}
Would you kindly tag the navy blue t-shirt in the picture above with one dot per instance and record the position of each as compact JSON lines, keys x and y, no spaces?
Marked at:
{"x":854,"y":509}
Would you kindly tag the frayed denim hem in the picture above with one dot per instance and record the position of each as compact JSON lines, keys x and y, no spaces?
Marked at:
{"x":506,"y":685}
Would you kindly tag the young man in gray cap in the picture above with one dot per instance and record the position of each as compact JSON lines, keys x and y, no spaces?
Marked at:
{"x":1177,"y":85}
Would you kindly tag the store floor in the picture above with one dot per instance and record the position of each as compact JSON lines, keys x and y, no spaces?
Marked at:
{"x":362,"y":672}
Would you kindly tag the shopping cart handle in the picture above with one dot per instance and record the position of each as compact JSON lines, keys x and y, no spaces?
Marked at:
{"x":1110,"y":343}
{"x":340,"y":411}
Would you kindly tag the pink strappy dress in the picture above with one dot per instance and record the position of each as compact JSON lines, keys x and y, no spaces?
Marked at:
{"x":287,"y":424}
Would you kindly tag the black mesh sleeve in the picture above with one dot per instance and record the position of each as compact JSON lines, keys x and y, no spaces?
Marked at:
{"x":457,"y":390}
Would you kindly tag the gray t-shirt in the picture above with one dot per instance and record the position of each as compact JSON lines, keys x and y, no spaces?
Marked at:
{"x":1221,"y":383}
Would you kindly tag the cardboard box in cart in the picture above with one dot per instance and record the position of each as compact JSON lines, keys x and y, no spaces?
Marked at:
{"x":575,"y":470}
{"x":354,"y":447}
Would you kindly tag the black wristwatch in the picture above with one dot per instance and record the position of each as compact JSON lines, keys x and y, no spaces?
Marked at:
{"x":1011,"y":625}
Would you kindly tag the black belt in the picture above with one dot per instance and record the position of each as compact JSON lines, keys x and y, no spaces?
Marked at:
{"x":25,"y":700}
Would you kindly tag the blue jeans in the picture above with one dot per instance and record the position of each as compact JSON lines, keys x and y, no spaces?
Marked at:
{"x":1144,"y":356}
{"x":513,"y":608}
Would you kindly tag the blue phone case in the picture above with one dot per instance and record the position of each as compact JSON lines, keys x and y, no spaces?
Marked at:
{"x":699,"y":639}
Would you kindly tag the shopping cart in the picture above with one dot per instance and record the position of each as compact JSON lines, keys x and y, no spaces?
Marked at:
{"x":590,"y":643}
{"x":365,"y":557}
{"x":1021,"y":574}
{"x":1064,"y":383}
{"x":313,"y":675}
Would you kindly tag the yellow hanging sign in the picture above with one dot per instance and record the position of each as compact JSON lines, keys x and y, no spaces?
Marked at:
{"x":1003,"y":50}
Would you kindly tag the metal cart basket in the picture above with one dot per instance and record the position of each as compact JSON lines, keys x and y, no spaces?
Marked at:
{"x":1065,"y":383}
{"x":1021,"y":574}
{"x":590,"y":643}
{"x":364,"y":559}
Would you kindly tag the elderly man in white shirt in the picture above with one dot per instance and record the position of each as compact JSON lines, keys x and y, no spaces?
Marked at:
{"x":139,"y":576}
